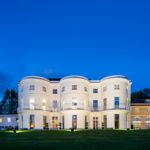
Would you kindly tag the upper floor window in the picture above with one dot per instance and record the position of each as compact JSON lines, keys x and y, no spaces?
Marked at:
{"x":63,"y":89}
{"x":55,"y":91}
{"x":105,"y":104}
{"x":116,"y":102}
{"x":44,"y":104}
{"x":32,"y":87}
{"x":148,"y":110}
{"x":44,"y":89}
{"x":116,"y":86}
{"x":95,"y":104}
{"x":21,"y":89}
{"x":9,"y":119}
{"x":137,"y":110}
{"x":74,"y":87}
{"x":95,"y":90}
{"x":32,"y":101}
{"x":54,"y":103}
{"x":104,"y":88}
{"x":85,"y":89}
{"x":74,"y":101}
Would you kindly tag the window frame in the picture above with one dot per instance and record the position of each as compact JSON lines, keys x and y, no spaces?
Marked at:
{"x":74,"y":87}
{"x":95,"y":90}
{"x":55,"y":91}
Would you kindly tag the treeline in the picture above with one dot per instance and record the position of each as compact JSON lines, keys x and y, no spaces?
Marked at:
{"x":9,"y":102}
{"x":142,"y":94}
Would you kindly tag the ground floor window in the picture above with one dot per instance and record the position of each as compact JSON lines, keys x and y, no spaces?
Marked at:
{"x":62,"y":122}
{"x":55,"y":122}
{"x":147,"y":125}
{"x":22,"y":120}
{"x":105,"y":121}
{"x":45,"y":124}
{"x":95,"y":122}
{"x":116,"y":121}
{"x":137,"y":122}
{"x":86,"y":123}
{"x":32,"y":123}
{"x":74,"y":121}
{"x":137,"y":125}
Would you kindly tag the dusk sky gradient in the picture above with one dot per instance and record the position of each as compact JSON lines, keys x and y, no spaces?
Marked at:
{"x":93,"y":38}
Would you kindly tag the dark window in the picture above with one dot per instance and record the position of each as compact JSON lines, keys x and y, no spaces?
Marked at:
{"x":44,"y":89}
{"x":55,"y":91}
{"x":74,"y":87}
{"x":116,"y":121}
{"x":105,"y":104}
{"x":32,"y":87}
{"x":116,"y":86}
{"x":116,"y":102}
{"x":95,"y":104}
{"x":54,"y":103}
{"x":85,"y":89}
{"x":63,"y":89}
{"x":95,"y":90}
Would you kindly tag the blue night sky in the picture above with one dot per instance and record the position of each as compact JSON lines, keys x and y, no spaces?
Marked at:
{"x":93,"y":38}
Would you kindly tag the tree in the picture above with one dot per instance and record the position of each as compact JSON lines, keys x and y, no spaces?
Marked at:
{"x":142,"y":94}
{"x":14,"y":101}
{"x":9,"y":102}
{"x":5,"y":105}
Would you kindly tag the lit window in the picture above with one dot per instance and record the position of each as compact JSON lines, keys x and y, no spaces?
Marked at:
{"x":1,"y":119}
{"x":137,"y":110}
{"x":74,"y":101}
{"x":44,"y":104}
{"x":32,"y":103}
{"x":55,"y":91}
{"x":104,"y":88}
{"x":63,"y":89}
{"x":148,"y":109}
{"x":116,"y":86}
{"x":74,"y":87}
{"x":31,"y":121}
{"x":95,"y":90}
{"x":85,"y":89}
{"x":32,"y":87}
{"x":44,"y":89}
{"x":9,"y":119}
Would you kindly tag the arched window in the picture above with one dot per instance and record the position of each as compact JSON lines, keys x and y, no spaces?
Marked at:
{"x":137,"y":119}
{"x":147,"y":119}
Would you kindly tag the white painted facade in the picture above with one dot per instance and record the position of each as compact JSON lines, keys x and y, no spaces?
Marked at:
{"x":78,"y":103}
{"x":8,"y":121}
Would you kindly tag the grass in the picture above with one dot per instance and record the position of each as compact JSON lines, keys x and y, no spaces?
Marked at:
{"x":79,"y":140}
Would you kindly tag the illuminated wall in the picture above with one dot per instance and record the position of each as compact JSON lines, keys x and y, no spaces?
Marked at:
{"x":74,"y":101}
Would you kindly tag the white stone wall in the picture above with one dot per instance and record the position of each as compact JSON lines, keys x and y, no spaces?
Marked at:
{"x":9,"y":120}
{"x":64,"y":99}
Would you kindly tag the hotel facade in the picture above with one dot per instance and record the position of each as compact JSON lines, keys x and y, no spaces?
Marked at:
{"x":74,"y":102}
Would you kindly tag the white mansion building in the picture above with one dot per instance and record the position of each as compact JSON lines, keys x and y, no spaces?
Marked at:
{"x":74,"y":102}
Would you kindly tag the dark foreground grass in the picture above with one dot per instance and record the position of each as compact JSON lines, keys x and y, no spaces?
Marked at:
{"x":79,"y":140}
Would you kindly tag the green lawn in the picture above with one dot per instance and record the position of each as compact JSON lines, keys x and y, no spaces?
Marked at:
{"x":79,"y":140}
